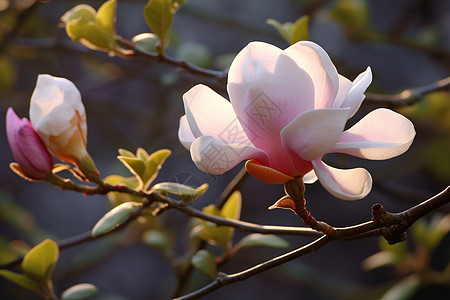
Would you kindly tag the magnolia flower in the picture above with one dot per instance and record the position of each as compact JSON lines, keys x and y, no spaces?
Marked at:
{"x":57,"y":113}
{"x":287,"y":109}
{"x":33,"y":158}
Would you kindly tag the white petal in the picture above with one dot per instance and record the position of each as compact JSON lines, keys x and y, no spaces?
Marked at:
{"x":356,"y":94}
{"x":382,"y":134}
{"x":214,"y":157}
{"x":252,"y":62}
{"x":185,"y":134}
{"x":344,"y":87}
{"x":350,"y":184}
{"x":310,"y":177}
{"x":208,"y":113}
{"x":54,"y":103}
{"x":314,"y":133}
{"x":316,"y":62}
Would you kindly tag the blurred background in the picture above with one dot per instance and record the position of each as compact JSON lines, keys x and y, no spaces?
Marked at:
{"x":137,"y":102}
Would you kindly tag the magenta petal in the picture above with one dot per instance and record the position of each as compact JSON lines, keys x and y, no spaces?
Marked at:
{"x":28,"y":149}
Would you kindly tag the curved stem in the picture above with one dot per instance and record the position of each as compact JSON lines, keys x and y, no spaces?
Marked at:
{"x":408,"y":96}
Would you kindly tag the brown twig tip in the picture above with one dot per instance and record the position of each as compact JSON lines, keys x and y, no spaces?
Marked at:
{"x":393,"y":231}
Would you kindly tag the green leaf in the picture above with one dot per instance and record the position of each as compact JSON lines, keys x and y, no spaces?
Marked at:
{"x":144,"y":166}
{"x":136,"y":166}
{"x":195,"y":53}
{"x":79,"y":292}
{"x":266,"y":240}
{"x":146,"y":42}
{"x":203,"y":260}
{"x":39,"y":262}
{"x":380,"y":259}
{"x":404,"y":289}
{"x":22,"y":280}
{"x":95,"y":30}
{"x":141,"y":154}
{"x":156,"y":239}
{"x":114,"y":217}
{"x":232,"y":208}
{"x":300,"y":30}
{"x":117,"y":198}
{"x":351,"y":13}
{"x":220,"y":235}
{"x":292,"y":32}
{"x":126,"y":153}
{"x":106,"y":16}
{"x":153,"y":165}
{"x":159,"y":16}
{"x":283,"y":29}
{"x":186,"y":193}
{"x":212,"y":234}
{"x":83,"y":12}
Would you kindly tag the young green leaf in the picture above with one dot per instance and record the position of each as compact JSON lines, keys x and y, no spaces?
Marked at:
{"x":124,"y":152}
{"x":136,"y":167}
{"x":292,"y":32}
{"x":141,"y":154}
{"x":39,"y":262}
{"x":404,"y":289}
{"x":232,"y":207}
{"x":146,"y":42}
{"x":156,"y":239}
{"x":22,"y":280}
{"x":266,"y":240}
{"x":106,"y":16}
{"x":159,"y":16}
{"x":212,"y":234}
{"x":153,"y":165}
{"x":79,"y":292}
{"x":220,"y":235}
{"x":300,"y":30}
{"x":203,"y":260}
{"x":117,"y":198}
{"x":186,"y":193}
{"x":114,"y":217}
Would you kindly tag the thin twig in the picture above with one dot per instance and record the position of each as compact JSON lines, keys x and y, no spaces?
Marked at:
{"x":224,"y":279}
{"x":408,"y":96}
{"x":21,"y":20}
{"x":407,"y":217}
{"x":182,"y":64}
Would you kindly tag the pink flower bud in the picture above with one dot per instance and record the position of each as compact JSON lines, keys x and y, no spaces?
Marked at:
{"x":28,"y":149}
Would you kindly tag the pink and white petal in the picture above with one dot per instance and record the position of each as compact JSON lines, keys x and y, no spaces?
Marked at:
{"x":356,"y":94}
{"x":315,"y":61}
{"x":344,"y":87}
{"x":381,"y":134}
{"x":185,"y":134}
{"x":54,"y":103}
{"x":314,"y":133}
{"x":310,"y":177}
{"x":265,"y":108}
{"x":251,"y":63}
{"x":212,"y":156}
{"x":351,"y":184}
{"x":208,"y":113}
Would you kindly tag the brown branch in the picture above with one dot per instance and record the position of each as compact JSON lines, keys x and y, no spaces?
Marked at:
{"x":182,"y":64}
{"x":383,"y":222}
{"x":408,"y":96}
{"x":22,"y":17}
